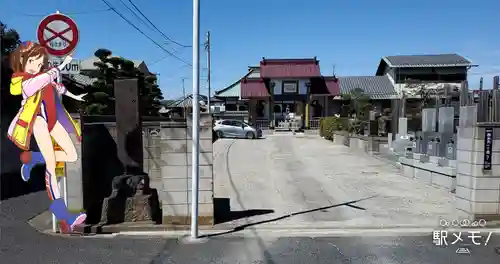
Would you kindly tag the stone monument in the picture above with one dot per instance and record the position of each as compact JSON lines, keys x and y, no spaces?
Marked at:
{"x":131,"y":200}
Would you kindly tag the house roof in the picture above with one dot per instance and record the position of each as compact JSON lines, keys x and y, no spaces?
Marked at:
{"x":81,"y":79}
{"x":253,"y":87}
{"x":88,"y":64}
{"x":325,"y":85}
{"x":215,"y":99}
{"x":289,"y":68}
{"x":418,"y":61}
{"x":376,"y":87}
{"x":184,"y":101}
{"x":234,"y":90}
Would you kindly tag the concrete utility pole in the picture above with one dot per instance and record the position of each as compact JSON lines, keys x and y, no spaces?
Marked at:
{"x":184,"y":96}
{"x":196,"y":120}
{"x":209,"y":58}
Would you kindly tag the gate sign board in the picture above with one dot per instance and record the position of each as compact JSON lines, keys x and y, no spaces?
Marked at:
{"x":59,"y":34}
{"x":72,"y":68}
{"x":488,"y":145}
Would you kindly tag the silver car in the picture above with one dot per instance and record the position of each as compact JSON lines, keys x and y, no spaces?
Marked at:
{"x":236,"y":129}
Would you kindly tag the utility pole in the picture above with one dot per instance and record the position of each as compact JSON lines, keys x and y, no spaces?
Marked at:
{"x":184,"y":96}
{"x":2,"y":29}
{"x":196,"y":120}
{"x":209,"y":58}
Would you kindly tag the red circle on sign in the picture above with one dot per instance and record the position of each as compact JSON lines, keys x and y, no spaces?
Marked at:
{"x":71,"y":27}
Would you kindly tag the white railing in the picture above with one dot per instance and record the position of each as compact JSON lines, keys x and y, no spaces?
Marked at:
{"x":262,"y":123}
{"x":314,"y":123}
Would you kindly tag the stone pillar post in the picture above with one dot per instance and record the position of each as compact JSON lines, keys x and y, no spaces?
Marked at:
{"x":478,"y":190}
{"x":74,"y":173}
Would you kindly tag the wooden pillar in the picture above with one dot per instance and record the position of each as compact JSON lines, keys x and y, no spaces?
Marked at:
{"x":271,"y":111}
{"x":396,"y":111}
{"x":326,"y":106}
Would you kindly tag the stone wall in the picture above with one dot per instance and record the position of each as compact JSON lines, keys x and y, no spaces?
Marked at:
{"x":478,"y":190}
{"x":167,"y":148}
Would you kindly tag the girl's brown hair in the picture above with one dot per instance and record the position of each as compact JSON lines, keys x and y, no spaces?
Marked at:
{"x":24,"y":52}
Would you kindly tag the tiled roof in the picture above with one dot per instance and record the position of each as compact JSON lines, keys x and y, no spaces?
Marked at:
{"x":184,"y":102}
{"x":289,"y":68}
{"x":376,"y":87}
{"x":253,"y":88}
{"x":420,"y":61}
{"x":325,"y":85}
{"x":437,"y":60}
{"x":234,"y":90}
{"x":81,"y":79}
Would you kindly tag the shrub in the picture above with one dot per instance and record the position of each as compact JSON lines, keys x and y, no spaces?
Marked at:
{"x":328,"y":125}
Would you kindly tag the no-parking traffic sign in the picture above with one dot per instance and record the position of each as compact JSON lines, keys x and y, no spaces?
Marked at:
{"x":59,"y":34}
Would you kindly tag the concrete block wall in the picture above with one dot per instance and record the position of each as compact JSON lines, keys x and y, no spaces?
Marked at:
{"x":478,"y":191}
{"x":168,"y":159}
{"x":429,"y":173}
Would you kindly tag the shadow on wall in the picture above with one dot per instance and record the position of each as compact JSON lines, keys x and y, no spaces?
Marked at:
{"x":11,"y":184}
{"x":100,"y":164}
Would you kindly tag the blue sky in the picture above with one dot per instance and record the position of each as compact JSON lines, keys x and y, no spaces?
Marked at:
{"x":352,"y":35}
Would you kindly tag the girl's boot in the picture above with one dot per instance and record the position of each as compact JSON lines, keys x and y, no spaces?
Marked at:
{"x":67,"y":220}
{"x":30,"y":159}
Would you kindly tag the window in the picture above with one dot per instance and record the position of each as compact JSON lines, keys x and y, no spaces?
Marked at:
{"x":231,"y":107}
{"x":235,"y":123}
{"x":277,"y":109}
{"x":226,"y":122}
{"x":290,"y":87}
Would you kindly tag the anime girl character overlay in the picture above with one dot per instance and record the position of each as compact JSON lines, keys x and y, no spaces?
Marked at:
{"x":43,"y":116}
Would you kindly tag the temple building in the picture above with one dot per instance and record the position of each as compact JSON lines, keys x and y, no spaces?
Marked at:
{"x":280,"y":85}
{"x":265,"y":92}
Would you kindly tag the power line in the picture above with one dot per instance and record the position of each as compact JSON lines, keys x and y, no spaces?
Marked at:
{"x":163,"y":34}
{"x":137,"y":16}
{"x":71,"y":13}
{"x":144,"y":34}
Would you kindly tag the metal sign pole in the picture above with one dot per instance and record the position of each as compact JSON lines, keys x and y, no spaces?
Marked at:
{"x":196,"y":119}
{"x":64,"y":181}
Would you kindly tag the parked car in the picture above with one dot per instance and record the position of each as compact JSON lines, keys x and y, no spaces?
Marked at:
{"x":236,"y":129}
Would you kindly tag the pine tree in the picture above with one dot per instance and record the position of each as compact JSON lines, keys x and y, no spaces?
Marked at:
{"x":10,"y":41}
{"x":100,"y":98}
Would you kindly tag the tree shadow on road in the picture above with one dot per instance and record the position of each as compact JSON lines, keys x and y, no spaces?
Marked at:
{"x":242,"y":227}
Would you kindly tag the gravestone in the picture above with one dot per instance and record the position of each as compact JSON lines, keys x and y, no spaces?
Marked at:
{"x":131,"y":199}
{"x":445,"y":119}
{"x":428,"y":120}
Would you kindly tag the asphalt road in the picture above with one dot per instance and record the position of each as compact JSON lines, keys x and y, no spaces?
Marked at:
{"x":20,"y":243}
{"x":307,"y":184}
{"x":324,"y":250}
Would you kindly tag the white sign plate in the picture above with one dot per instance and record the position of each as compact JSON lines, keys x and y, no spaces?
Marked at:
{"x":71,"y":68}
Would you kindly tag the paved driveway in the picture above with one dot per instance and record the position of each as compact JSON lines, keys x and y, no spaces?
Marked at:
{"x":310,"y":182}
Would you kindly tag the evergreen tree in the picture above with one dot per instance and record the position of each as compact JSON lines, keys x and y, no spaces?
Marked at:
{"x":100,"y":98}
{"x":10,"y":41}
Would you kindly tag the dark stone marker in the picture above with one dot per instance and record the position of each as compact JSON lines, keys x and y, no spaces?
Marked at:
{"x":128,"y":124}
{"x":131,"y":199}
